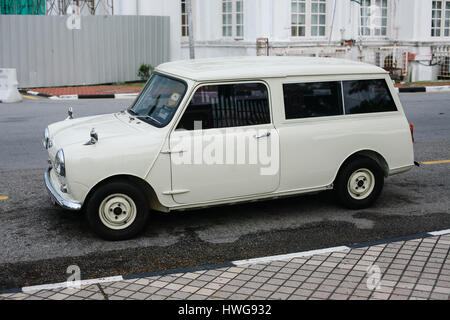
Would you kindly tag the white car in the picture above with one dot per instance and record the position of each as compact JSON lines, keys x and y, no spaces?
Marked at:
{"x":226,"y":130}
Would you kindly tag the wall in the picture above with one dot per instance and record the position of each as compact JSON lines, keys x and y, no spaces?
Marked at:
{"x":106,"y":48}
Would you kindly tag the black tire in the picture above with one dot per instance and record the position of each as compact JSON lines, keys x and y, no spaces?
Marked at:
{"x":360,"y":166}
{"x":108,"y":191}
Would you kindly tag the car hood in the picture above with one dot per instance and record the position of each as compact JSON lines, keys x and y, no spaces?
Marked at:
{"x":77,"y":131}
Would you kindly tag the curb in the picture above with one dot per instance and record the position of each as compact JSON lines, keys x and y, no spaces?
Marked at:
{"x":81,"y":96}
{"x":226,"y":264}
{"x":428,"y":89}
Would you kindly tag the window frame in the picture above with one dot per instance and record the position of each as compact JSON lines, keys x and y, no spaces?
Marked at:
{"x":180,"y":103}
{"x":234,"y":25}
{"x":365,"y":113}
{"x":340,"y":92}
{"x":344,"y":115}
{"x":442,"y":20}
{"x":203,"y":84}
{"x":308,"y":20}
{"x":388,"y":23}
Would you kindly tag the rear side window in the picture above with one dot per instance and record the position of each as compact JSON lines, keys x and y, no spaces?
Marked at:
{"x":318,"y":99}
{"x":227,"y":105}
{"x":367,"y":96}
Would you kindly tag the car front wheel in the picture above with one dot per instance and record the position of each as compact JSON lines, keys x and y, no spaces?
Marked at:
{"x":359,"y":183}
{"x":117,"y":211}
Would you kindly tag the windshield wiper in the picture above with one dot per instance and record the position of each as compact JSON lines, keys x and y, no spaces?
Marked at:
{"x":149,"y":118}
{"x":132,"y":112}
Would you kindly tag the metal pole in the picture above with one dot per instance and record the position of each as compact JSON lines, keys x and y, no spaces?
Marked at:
{"x":191,"y":29}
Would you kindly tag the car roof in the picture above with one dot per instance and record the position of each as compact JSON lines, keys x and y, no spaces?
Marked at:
{"x":227,"y":68}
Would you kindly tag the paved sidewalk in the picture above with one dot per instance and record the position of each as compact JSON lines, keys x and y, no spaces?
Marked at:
{"x":413,"y":269}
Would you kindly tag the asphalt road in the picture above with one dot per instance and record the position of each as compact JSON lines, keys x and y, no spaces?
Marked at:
{"x":39,"y":241}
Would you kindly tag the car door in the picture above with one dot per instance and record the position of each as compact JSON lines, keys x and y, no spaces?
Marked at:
{"x":225,"y":145}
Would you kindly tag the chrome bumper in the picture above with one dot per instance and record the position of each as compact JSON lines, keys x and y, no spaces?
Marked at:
{"x":56,"y":198}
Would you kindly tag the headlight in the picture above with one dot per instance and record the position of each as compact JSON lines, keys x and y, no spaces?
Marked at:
{"x":60,"y":166}
{"x":47,"y":142}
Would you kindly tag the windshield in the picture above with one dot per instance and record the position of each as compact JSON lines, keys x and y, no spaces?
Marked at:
{"x":159,"y":100}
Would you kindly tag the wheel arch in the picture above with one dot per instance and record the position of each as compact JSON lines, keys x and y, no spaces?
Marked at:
{"x":371,"y":154}
{"x":148,"y":190}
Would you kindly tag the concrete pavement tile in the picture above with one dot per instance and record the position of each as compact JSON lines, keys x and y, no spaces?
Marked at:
{"x":398,"y":297}
{"x":229,"y":288}
{"x":182,"y":281}
{"x":147,"y":289}
{"x":297,"y":297}
{"x":205,"y":277}
{"x":321,"y":295}
{"x":244,"y":277}
{"x":198,"y":283}
{"x":221,"y":280}
{"x":165,"y":292}
{"x":262,"y":293}
{"x":287,"y":290}
{"x":124,"y":293}
{"x":420,"y":294}
{"x":279,"y":296}
{"x":380,"y":295}
{"x":173,"y":286}
{"x":439,"y":296}
{"x":205,"y":292}
{"x":269,"y":287}
{"x":159,"y":284}
{"x":235,"y":282}
{"x":276,"y":282}
{"x":245,"y":291}
{"x":441,"y":290}
{"x":338,"y":296}
{"x":236,"y":296}
{"x":222,"y":294}
{"x":58,"y":296}
{"x":139,"y":296}
{"x":213,"y":286}
{"x":423,"y":287}
{"x":253,"y":285}
{"x":189,"y":289}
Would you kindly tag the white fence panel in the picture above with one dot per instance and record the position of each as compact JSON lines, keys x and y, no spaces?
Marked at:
{"x":106,"y":48}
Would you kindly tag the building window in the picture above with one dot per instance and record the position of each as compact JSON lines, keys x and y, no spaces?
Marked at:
{"x":308,"y":18}
{"x":184,"y":20}
{"x":440,"y":19}
{"x":373,"y":18}
{"x":233,"y":18}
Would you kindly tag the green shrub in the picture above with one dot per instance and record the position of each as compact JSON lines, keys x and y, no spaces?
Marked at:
{"x":144,"y":72}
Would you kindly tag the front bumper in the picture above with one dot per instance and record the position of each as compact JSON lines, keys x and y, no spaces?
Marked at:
{"x":56,"y":198}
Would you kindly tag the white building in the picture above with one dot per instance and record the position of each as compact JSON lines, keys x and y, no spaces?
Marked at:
{"x":399,"y":35}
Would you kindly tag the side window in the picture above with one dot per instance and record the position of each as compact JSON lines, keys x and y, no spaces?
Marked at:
{"x":367,"y":96}
{"x":227,"y":105}
{"x":315,"y":99}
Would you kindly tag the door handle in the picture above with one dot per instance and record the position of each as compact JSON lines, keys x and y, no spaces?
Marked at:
{"x":267,"y":134}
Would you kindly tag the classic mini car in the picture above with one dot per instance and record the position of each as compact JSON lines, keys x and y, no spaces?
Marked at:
{"x":221,"y":131}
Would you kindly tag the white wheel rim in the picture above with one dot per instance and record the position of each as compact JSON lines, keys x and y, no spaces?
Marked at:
{"x":117,"y":211}
{"x":361,"y":184}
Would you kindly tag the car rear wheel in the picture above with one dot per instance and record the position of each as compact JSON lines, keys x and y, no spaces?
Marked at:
{"x":359,"y":183}
{"x":117,"y":211}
